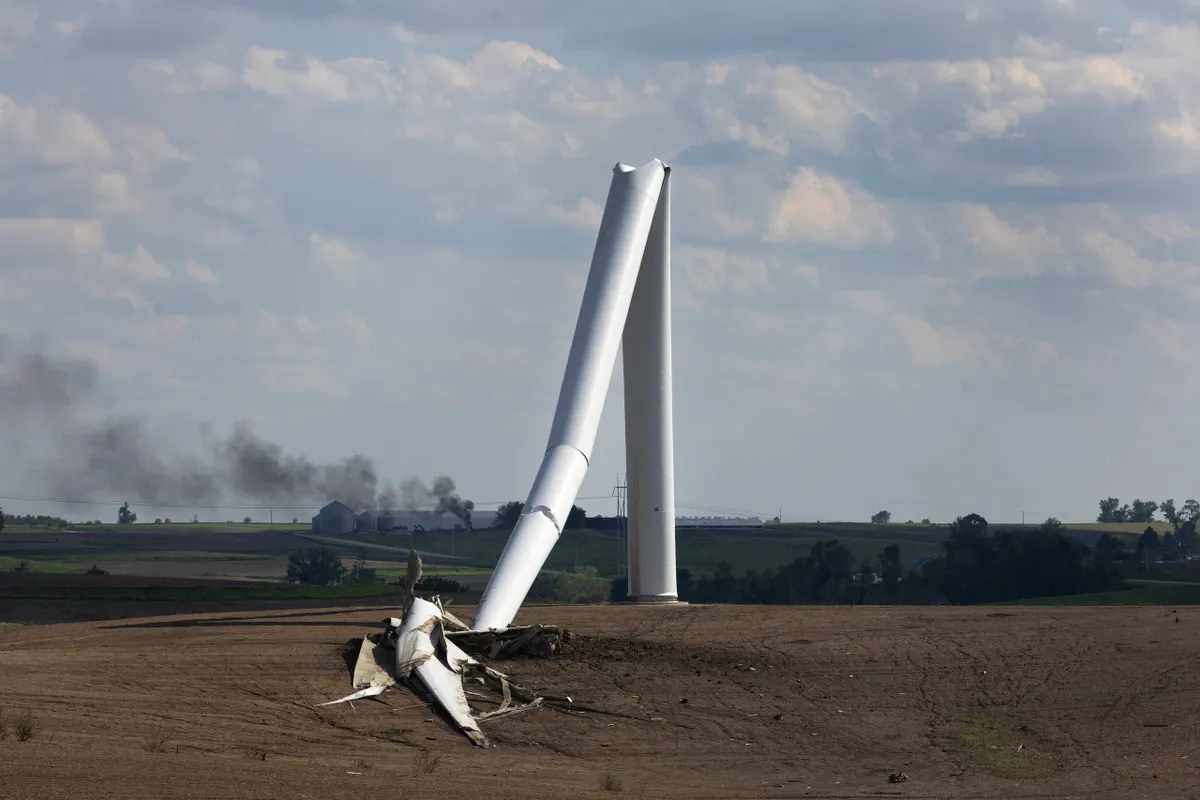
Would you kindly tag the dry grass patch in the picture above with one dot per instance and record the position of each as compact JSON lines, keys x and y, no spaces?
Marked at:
{"x":428,"y":763}
{"x":611,"y":783}
{"x":26,"y":726}
{"x":1007,"y":747}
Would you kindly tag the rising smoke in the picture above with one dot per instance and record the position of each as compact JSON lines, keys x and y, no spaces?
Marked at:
{"x":118,"y":457}
{"x":36,"y":384}
{"x":441,"y":499}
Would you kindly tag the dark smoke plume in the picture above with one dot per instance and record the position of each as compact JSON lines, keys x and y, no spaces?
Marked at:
{"x":441,"y":499}
{"x":35,"y":384}
{"x":117,"y":458}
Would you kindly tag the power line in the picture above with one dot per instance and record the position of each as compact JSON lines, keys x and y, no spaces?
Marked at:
{"x":89,"y":502}
{"x":285,"y":505}
{"x":253,"y":506}
{"x":719,"y":509}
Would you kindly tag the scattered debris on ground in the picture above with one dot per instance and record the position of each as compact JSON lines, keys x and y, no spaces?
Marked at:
{"x":435,"y":653}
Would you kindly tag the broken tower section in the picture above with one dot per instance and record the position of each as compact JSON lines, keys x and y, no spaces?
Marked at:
{"x":626,"y":303}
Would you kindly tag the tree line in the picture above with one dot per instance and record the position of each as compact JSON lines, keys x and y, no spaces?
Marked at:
{"x":1187,"y":515}
{"x":38,"y":520}
{"x":321,"y":566}
{"x":976,"y":565}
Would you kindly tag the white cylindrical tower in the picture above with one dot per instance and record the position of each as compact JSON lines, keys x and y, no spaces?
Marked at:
{"x":649,"y":425}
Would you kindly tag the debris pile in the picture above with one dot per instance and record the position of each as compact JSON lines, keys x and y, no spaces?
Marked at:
{"x":434,"y":653}
{"x":538,"y":641}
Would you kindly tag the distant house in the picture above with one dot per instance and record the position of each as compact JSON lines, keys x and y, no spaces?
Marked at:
{"x":339,"y":518}
{"x":718,"y":522}
{"x":407,"y":520}
{"x":920,"y":562}
{"x":334,"y":518}
{"x":425,"y":521}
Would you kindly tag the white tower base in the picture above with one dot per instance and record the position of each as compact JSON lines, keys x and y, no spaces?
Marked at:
{"x":627,"y":302}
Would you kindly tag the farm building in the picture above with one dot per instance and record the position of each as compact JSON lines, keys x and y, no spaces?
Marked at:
{"x":718,"y":522}
{"x":339,"y":518}
{"x":334,"y":518}
{"x":407,"y":520}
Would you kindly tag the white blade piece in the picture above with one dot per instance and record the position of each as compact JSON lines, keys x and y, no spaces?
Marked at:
{"x":422,"y":648}
{"x":370,"y":691}
{"x":373,"y":667}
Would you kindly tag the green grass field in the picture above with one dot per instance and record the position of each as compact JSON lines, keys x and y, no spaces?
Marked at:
{"x":172,"y":527}
{"x":391,"y":574}
{"x":1146,"y":594}
{"x":54,"y":565}
{"x":188,"y":594}
{"x":698,"y":550}
{"x":472,"y":552}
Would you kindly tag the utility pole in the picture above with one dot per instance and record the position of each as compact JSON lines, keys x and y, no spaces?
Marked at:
{"x":622,"y":549}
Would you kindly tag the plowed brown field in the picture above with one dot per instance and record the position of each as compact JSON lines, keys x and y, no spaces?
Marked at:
{"x":682,"y":702}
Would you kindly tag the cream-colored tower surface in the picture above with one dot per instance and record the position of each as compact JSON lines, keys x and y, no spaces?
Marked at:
{"x":649,"y":426}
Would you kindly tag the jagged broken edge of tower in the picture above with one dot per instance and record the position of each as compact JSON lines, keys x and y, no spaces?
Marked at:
{"x":627,"y":301}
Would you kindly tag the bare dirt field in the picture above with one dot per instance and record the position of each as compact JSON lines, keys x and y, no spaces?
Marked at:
{"x":56,"y":598}
{"x":685,"y":702}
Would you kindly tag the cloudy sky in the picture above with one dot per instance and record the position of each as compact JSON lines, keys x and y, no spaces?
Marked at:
{"x":933,"y":257}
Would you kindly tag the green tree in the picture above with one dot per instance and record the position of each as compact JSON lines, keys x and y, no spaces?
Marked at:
{"x":881,"y":518}
{"x":1189,"y":540}
{"x":865,"y":579}
{"x":315,"y":566}
{"x":891,"y":569}
{"x":1,"y":518}
{"x":684,"y":584}
{"x":1190,"y":511}
{"x":1170,"y":513}
{"x":579,"y":586}
{"x":508,"y":514}
{"x":360,"y":572}
{"x":1108,"y":510}
{"x":1109,"y":548}
{"x":125,"y":515}
{"x":1149,"y":541}
{"x":577,"y":518}
{"x":1143,"y":511}
{"x":1170,"y":546}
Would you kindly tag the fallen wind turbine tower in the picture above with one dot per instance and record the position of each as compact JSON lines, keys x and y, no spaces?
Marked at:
{"x":626,"y":305}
